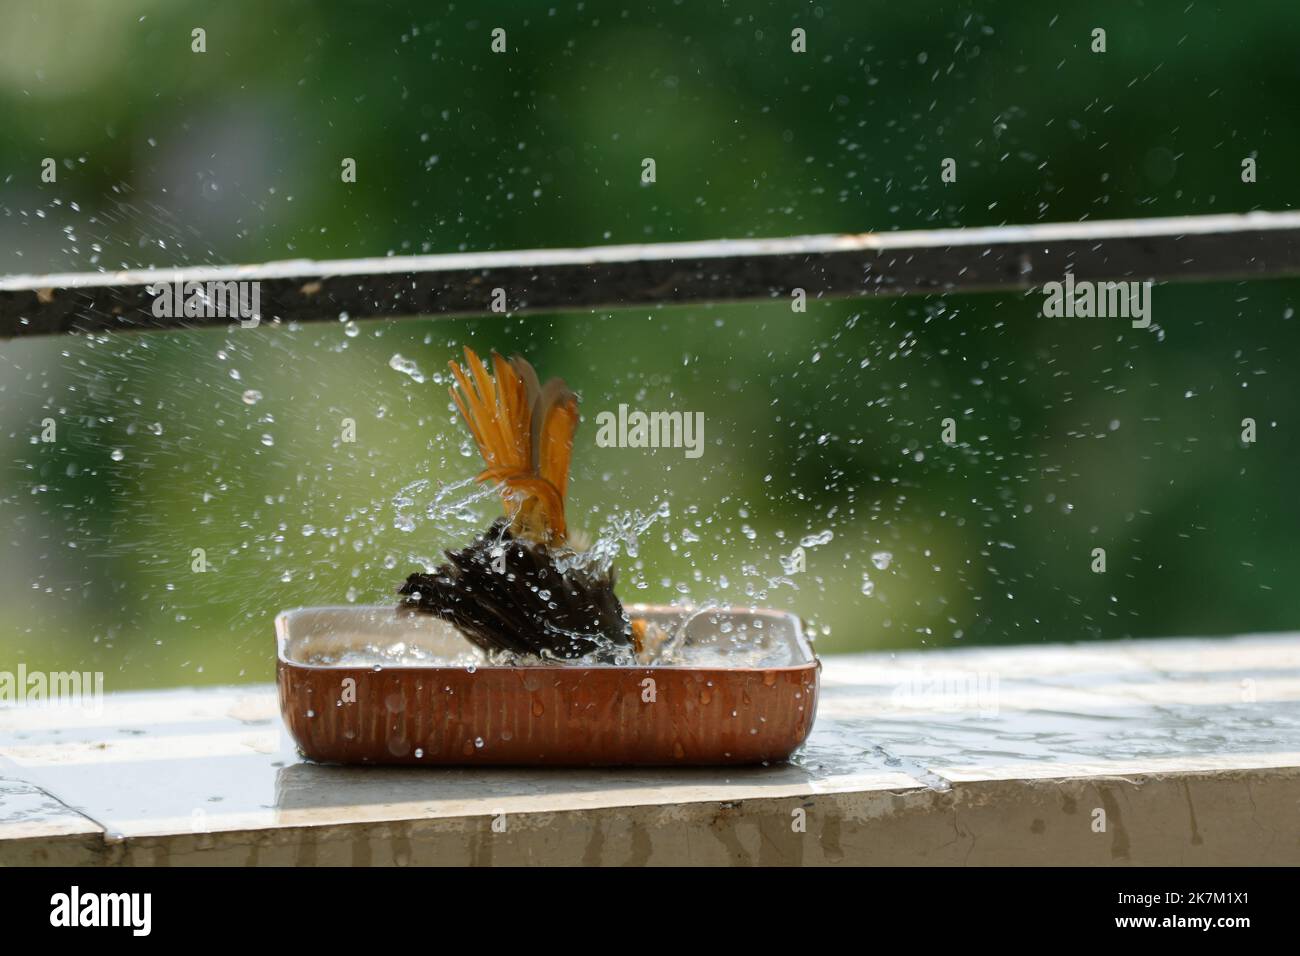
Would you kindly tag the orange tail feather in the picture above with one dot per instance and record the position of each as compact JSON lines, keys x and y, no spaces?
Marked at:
{"x":525,"y":434}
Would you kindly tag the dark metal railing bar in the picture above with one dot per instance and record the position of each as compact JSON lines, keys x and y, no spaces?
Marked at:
{"x":1249,"y":245}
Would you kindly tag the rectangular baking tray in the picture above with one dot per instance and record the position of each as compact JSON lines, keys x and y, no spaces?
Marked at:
{"x":372,"y":685}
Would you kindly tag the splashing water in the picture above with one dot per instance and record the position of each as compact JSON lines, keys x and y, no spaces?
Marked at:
{"x":451,"y":503}
{"x":621,"y":533}
{"x":407,"y":367}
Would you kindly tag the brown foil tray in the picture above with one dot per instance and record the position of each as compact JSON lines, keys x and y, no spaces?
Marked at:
{"x":737,"y":705}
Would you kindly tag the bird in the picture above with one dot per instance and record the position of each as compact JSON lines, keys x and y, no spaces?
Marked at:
{"x":521,"y":588}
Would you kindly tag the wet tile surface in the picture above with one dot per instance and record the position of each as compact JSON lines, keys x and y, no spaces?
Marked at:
{"x":28,"y":812}
{"x":193,"y":762}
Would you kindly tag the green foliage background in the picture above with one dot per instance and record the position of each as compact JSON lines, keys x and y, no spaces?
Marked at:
{"x":1073,"y":434}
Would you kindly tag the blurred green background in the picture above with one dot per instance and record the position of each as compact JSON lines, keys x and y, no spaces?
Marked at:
{"x":1072,"y":434}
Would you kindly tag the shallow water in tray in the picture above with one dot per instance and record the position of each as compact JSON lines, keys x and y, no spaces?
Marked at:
{"x":362,"y":650}
{"x":705,"y":639}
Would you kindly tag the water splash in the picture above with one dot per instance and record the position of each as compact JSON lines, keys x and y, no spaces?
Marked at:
{"x":407,"y":367}
{"x":620,"y":534}
{"x":450,"y":504}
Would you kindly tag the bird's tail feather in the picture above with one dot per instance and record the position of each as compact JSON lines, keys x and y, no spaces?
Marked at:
{"x":524,"y":431}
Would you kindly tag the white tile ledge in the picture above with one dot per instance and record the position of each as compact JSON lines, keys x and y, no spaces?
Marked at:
{"x":1190,"y":750}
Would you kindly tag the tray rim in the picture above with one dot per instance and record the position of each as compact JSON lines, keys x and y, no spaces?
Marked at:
{"x":802,"y":644}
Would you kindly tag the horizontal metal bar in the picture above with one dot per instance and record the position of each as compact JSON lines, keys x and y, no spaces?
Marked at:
{"x":728,"y":270}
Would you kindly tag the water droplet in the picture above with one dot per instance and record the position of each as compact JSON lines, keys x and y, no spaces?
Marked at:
{"x":406,"y":367}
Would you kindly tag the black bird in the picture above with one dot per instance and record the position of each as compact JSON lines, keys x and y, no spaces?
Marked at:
{"x":519,"y":587}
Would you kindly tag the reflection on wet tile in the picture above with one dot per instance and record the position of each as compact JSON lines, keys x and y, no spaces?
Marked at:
{"x":28,"y":812}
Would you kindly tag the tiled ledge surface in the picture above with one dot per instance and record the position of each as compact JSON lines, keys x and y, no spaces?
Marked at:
{"x":1158,"y":752}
